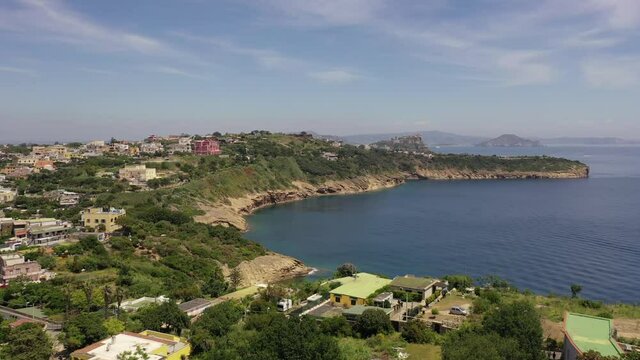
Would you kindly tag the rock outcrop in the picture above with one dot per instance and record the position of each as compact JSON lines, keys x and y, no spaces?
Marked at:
{"x":269,"y":268}
{"x":577,"y":172}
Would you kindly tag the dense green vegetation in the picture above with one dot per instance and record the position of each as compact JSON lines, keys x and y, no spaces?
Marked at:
{"x":161,"y":250}
{"x":493,"y":163}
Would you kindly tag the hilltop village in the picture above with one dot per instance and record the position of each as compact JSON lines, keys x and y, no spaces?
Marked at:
{"x":115,"y":250}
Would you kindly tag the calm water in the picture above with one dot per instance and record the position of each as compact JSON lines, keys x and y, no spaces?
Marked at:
{"x":540,"y":234}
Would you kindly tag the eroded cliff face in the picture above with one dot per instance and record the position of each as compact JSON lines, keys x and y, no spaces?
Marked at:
{"x":233,"y":211}
{"x":577,"y":172}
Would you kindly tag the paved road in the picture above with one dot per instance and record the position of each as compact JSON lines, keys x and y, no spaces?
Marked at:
{"x":18,"y":315}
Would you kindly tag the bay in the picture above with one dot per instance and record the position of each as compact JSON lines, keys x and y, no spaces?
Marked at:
{"x":541,"y":235}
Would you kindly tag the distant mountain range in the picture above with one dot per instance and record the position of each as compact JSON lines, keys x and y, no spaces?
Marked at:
{"x":440,"y":138}
{"x":510,"y":140}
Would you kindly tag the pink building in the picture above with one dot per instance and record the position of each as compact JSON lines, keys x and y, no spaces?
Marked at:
{"x":206,"y":147}
{"x":15,"y":266}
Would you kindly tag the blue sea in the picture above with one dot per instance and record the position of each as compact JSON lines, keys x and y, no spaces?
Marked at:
{"x":541,"y":235}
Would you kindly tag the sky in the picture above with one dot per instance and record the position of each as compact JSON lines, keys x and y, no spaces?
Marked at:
{"x":93,"y":69}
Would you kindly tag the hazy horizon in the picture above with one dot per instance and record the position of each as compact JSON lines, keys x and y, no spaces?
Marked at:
{"x":72,"y":70}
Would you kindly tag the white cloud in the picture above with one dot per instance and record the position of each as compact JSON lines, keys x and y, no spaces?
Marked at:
{"x":97,"y":71}
{"x":266,"y":58}
{"x":335,"y":76}
{"x":18,"y":71}
{"x":612,"y":73}
{"x":620,"y":14}
{"x":53,"y":21}
{"x":594,"y":38}
{"x":169,"y":70}
{"x":526,"y":67}
{"x":333,"y":12}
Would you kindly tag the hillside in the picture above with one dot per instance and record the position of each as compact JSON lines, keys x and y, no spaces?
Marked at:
{"x":510,"y":140}
{"x":171,"y":241}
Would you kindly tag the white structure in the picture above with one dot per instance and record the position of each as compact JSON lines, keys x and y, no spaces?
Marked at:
{"x":134,"y":305}
{"x":284,"y":304}
{"x":150,"y":148}
{"x":137,"y":174}
{"x":7,"y":195}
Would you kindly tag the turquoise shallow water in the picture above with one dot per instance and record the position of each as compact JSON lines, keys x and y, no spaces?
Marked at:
{"x":540,"y":234}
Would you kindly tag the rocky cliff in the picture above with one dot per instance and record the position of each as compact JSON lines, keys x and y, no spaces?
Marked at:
{"x":233,"y":211}
{"x":577,"y":172}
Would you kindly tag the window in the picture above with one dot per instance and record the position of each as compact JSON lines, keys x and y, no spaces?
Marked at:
{"x":353,"y":301}
{"x":337,"y":298}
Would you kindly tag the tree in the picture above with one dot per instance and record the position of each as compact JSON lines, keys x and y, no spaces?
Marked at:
{"x":215,"y":321}
{"x":459,"y":282}
{"x":418,"y":332}
{"x":336,"y":326}
{"x":83,"y":330}
{"x":215,"y":285}
{"x":470,"y":344}
{"x":372,"y":322}
{"x":293,"y":338}
{"x":27,"y":342}
{"x":520,"y":321}
{"x":139,"y":354}
{"x":235,"y":278}
{"x":113,"y":326}
{"x":163,"y":317}
{"x":575,"y":290}
{"x":346,"y":269}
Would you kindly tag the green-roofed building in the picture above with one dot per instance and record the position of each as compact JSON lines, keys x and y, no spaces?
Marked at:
{"x":354,"y":290}
{"x":583,"y":333}
{"x":412,"y":284}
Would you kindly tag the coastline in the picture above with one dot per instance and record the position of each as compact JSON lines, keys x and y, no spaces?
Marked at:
{"x":274,"y":267}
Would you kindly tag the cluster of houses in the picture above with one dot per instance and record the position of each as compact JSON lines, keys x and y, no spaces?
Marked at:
{"x":48,"y":231}
{"x":33,"y":232}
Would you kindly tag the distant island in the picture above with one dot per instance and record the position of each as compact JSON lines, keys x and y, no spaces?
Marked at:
{"x":510,"y":140}
{"x":410,"y":143}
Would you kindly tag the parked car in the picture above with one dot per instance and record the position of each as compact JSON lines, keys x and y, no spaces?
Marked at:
{"x":457,"y":310}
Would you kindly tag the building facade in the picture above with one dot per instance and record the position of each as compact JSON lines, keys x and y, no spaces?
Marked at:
{"x":94,"y":217}
{"x":354,"y":290}
{"x":206,"y":147}
{"x":14,"y":266}
{"x":137,"y":173}
{"x":7,"y":195}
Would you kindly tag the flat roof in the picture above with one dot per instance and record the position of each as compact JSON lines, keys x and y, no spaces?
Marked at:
{"x":413,"y":282}
{"x":360,"y":286}
{"x":588,"y":332}
{"x":194,"y":304}
{"x":109,"y":348}
{"x":359,"y":309}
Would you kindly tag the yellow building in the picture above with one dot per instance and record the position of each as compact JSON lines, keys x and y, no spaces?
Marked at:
{"x":354,"y":290}
{"x":95,"y":216}
{"x":157,"y":345}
